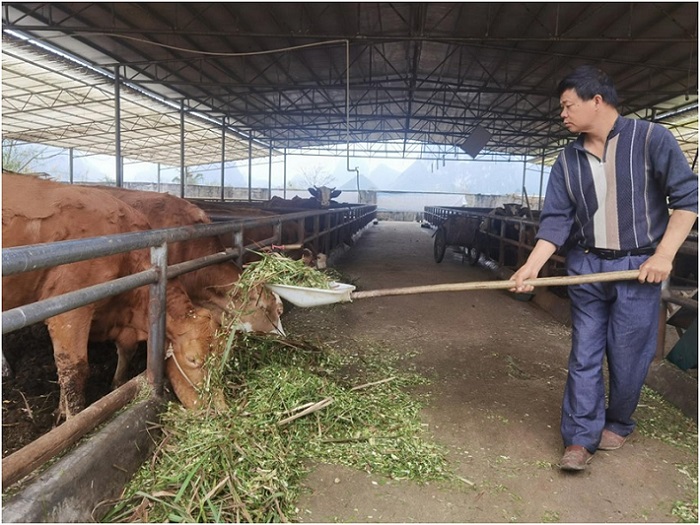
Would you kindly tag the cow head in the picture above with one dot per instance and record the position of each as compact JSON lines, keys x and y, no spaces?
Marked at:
{"x":314,"y":260}
{"x":512,"y":209}
{"x":257,"y":309}
{"x":252,"y":309}
{"x":191,"y":338}
{"x":324,"y":194}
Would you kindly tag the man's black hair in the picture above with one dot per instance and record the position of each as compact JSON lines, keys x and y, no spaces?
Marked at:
{"x":589,"y":81}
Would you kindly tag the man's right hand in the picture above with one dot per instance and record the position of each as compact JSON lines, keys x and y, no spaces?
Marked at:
{"x":541,"y":253}
{"x":524,"y":273}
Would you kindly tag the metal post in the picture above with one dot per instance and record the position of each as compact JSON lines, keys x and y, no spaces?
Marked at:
{"x":155,"y":360}
{"x":250,"y":168}
{"x":158,"y":176}
{"x":522,"y":194}
{"x":269,"y":175}
{"x":70,"y":165}
{"x":284,"y":180}
{"x":182,"y":149}
{"x":223,"y":157}
{"x":118,"y":129}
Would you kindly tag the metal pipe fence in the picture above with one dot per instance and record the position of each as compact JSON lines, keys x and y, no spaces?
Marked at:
{"x":326,"y":225}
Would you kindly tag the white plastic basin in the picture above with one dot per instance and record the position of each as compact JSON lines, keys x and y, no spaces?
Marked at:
{"x":307,"y":297}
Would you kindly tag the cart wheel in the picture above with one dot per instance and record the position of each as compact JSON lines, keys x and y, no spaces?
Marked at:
{"x":473,"y":255}
{"x":478,"y":248}
{"x":440,"y":245}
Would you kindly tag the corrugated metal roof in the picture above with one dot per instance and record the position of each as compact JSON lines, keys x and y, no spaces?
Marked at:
{"x":418,"y":72}
{"x":49,"y":100}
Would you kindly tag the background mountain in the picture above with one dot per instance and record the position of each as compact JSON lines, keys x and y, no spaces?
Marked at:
{"x":473,"y":177}
{"x":351,"y":183}
{"x":490,"y":178}
{"x":494,"y":178}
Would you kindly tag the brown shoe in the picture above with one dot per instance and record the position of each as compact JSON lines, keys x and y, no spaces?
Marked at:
{"x":611,"y":441}
{"x":575,"y":457}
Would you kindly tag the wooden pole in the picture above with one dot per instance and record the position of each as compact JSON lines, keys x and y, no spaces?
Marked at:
{"x":625,"y":275}
{"x":27,"y":459}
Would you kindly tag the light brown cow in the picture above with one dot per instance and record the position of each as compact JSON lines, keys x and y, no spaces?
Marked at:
{"x":40,"y":211}
{"x":258,"y":310}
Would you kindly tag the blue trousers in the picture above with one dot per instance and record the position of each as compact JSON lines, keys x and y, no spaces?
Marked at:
{"x":617,"y":320}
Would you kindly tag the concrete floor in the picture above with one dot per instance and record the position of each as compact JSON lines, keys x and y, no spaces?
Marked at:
{"x":498,"y":367}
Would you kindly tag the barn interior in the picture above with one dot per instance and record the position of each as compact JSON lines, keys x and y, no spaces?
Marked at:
{"x":277,"y":76}
{"x":185,"y":84}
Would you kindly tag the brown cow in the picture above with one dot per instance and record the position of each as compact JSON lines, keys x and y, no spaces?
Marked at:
{"x":259,"y":310}
{"x":40,"y":211}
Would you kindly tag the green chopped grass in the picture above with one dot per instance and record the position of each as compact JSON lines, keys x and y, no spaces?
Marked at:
{"x":242,"y":462}
{"x":659,"y":419}
{"x":685,"y":512}
{"x":274,"y":268}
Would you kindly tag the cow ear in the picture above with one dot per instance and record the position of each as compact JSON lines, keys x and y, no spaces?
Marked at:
{"x":313,"y":191}
{"x":335,"y":193}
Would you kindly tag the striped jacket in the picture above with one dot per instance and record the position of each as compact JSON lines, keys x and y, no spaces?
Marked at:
{"x":621,"y":202}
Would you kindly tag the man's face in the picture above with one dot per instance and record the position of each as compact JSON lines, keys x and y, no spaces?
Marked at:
{"x":576,"y":113}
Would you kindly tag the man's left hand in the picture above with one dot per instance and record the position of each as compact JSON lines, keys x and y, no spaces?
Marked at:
{"x":655,"y":269}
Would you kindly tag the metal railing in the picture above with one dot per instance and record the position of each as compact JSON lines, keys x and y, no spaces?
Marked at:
{"x":326,"y":226}
{"x":498,"y":243}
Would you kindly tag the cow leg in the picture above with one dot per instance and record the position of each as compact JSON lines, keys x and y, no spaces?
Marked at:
{"x":124,"y":356}
{"x":126,"y":344}
{"x":69,"y":335}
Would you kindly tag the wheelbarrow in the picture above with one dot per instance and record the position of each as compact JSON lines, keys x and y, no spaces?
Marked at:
{"x":344,"y":293}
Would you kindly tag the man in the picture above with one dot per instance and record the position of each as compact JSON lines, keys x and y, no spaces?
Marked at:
{"x":609,"y":193}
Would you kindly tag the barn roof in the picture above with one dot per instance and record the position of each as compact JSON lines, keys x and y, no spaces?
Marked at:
{"x":423,"y":76}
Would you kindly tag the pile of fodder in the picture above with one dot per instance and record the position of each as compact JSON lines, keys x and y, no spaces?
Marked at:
{"x":659,"y":419}
{"x":275,"y":268}
{"x":287,"y":405}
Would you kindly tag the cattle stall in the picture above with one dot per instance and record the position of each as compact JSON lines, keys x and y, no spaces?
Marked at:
{"x":321,"y":231}
{"x":326,"y":233}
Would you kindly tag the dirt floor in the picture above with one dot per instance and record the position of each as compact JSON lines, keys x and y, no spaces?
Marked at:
{"x":497,"y":367}
{"x":30,"y":396}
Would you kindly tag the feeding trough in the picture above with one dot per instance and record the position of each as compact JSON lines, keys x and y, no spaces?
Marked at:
{"x":343,"y":293}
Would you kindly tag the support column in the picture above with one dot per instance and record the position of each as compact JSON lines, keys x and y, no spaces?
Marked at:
{"x":269,"y":174}
{"x":118,"y":129}
{"x":284,"y":181}
{"x":183,"y":175}
{"x":223,"y":157}
{"x":250,"y":167}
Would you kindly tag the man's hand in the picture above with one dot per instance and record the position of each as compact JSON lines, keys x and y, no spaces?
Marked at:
{"x":542,"y":251}
{"x":658,"y":267}
{"x":655,"y":269}
{"x":525,"y":272}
